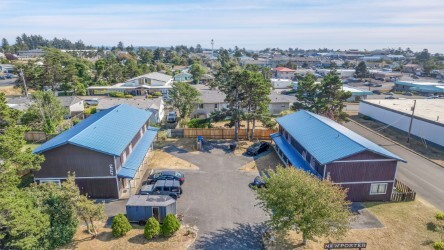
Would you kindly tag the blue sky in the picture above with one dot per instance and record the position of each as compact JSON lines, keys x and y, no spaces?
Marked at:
{"x":337,"y":24}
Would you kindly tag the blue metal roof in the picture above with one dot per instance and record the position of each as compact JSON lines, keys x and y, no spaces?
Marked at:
{"x":109,"y":131}
{"x":293,"y":156}
{"x":327,"y":140}
{"x":132,"y":164}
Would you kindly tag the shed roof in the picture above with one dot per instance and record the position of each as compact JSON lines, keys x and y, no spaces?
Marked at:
{"x":138,"y":102}
{"x":327,"y":140}
{"x":109,"y":131}
{"x":67,"y":101}
{"x":150,"y":200}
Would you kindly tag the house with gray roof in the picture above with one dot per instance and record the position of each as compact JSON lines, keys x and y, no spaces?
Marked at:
{"x":328,"y":150}
{"x":155,"y":105}
{"x":213,"y":100}
{"x":74,"y":104}
{"x":107,"y":152}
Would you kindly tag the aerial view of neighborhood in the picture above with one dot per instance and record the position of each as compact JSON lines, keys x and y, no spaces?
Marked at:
{"x":231,"y":125}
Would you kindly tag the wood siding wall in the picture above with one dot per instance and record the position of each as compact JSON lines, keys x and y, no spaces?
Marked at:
{"x":361,"y":192}
{"x":98,"y":188}
{"x":69,"y":158}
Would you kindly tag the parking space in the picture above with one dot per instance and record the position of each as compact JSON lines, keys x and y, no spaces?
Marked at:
{"x":217,"y":199}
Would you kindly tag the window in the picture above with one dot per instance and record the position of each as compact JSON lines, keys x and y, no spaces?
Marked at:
{"x":378,"y":188}
{"x":312,"y":162}
{"x":201,"y":106}
{"x":216,"y":106}
{"x":304,"y":155}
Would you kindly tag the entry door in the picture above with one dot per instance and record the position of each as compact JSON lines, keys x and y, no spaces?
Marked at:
{"x":156,"y":213}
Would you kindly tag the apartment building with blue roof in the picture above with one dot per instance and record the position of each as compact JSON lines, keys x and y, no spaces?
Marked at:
{"x":106,"y":151}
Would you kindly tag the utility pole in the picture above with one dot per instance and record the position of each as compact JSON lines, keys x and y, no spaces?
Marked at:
{"x":212,"y":48}
{"x":24,"y":82}
{"x":411,"y":120}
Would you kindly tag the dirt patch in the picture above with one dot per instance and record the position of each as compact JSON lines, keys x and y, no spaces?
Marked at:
{"x":434,"y":153}
{"x":163,"y":160}
{"x":242,"y":147}
{"x":408,"y":225}
{"x":243,"y":124}
{"x":262,"y":162}
{"x":133,"y":240}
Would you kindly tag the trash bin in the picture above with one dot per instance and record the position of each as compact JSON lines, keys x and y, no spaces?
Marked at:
{"x":233,"y":145}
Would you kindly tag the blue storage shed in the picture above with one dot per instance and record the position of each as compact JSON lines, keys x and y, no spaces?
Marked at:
{"x":142,"y":207}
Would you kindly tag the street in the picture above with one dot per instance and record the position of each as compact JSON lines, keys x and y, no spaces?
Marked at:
{"x":424,"y":177}
{"x":7,"y":82}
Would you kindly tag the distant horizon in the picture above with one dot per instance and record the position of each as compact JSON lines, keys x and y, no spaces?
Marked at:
{"x":254,"y":25}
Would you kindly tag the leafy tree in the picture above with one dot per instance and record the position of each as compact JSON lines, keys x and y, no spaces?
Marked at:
{"x":120,"y":225}
{"x":120,"y":46}
{"x":89,"y":212}
{"x":361,"y":70}
{"x":184,"y":98}
{"x":170,"y":225}
{"x":60,"y":205}
{"x":296,"y":200}
{"x":198,"y":48}
{"x":8,"y":116}
{"x":152,"y":228}
{"x":5,"y":45}
{"x":46,"y":113}
{"x":197,"y":71}
{"x":325,"y":99}
{"x":24,"y":225}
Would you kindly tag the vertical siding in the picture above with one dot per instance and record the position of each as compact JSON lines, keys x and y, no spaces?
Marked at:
{"x":362,"y":171}
{"x":361,"y":192}
{"x":98,"y":188}
{"x":82,"y":161}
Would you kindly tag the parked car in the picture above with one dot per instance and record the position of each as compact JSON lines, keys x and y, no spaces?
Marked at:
{"x":415,"y":77}
{"x":259,"y":181}
{"x":2,"y":77}
{"x":171,"y":117}
{"x":9,"y":76}
{"x":390,"y":97}
{"x":433,"y":97}
{"x":388,"y":93}
{"x":377,"y":85}
{"x":258,"y":148}
{"x":376,"y":92}
{"x":163,"y":187}
{"x":408,"y":94}
{"x":441,"y":81}
{"x":167,"y":175}
{"x":368,"y":84}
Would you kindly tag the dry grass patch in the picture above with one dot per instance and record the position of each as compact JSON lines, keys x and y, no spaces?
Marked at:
{"x":408,"y":225}
{"x":163,"y":160}
{"x":265,"y":161}
{"x":134,"y":239}
{"x":11,"y":90}
{"x":243,"y":124}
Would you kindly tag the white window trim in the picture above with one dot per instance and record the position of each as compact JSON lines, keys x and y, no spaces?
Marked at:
{"x":377,"y":193}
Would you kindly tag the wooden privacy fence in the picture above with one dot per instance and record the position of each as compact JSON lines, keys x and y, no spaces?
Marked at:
{"x":38,"y":136}
{"x":402,"y":192}
{"x":226,"y":133}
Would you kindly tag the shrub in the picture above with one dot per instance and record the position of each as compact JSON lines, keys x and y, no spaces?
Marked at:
{"x":198,"y":123}
{"x":90,"y":111}
{"x":170,"y":225}
{"x":157,"y":94}
{"x":120,"y":225}
{"x":128,"y":96}
{"x":116,"y":94}
{"x":438,"y":245}
{"x":152,"y":228}
{"x":75,"y":120}
{"x":149,"y":96}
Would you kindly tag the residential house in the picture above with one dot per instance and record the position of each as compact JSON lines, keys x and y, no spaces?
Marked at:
{"x":20,"y":102}
{"x":183,"y":77}
{"x":155,"y":105}
{"x":181,"y":68}
{"x":214,"y":100}
{"x":106,"y":151}
{"x":6,"y":68}
{"x":328,"y":150}
{"x":74,"y":104}
{"x":283,"y":73}
{"x":31,"y":53}
{"x":281,"y":83}
{"x":141,"y":85}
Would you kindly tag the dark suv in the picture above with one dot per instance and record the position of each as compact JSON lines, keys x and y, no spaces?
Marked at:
{"x":163,"y":187}
{"x":167,"y":175}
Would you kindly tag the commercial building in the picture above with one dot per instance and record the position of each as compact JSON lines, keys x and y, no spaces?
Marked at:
{"x":106,"y":151}
{"x":357,"y":94}
{"x":427,"y":123}
{"x":425,"y":88}
{"x":327,"y":149}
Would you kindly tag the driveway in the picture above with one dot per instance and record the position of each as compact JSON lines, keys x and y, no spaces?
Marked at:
{"x":217,"y":199}
{"x":423,"y":176}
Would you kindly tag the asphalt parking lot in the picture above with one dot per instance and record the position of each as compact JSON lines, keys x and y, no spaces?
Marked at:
{"x":217,"y":199}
